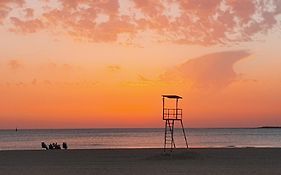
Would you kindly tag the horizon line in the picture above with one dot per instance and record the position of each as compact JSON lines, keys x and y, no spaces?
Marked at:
{"x":257,"y":127}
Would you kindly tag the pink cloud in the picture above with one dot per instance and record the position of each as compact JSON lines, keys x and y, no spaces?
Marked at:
{"x":150,"y":8}
{"x":29,"y":12}
{"x":79,"y":19}
{"x":197,"y":21}
{"x":6,"y":6}
{"x":212,"y":70}
{"x":28,"y":26}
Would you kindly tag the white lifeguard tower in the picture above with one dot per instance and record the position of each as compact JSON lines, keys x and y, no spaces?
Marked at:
{"x":171,"y":115}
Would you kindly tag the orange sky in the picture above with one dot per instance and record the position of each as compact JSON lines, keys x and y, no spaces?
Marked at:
{"x":98,"y":63}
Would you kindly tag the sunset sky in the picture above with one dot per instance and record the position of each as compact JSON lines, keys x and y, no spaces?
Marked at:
{"x":106,"y":63}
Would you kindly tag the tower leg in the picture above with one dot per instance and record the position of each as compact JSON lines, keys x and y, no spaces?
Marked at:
{"x":173,"y":145}
{"x":184,"y":134}
{"x":165,"y":137}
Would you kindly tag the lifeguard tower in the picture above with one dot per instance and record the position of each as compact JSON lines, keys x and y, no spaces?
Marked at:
{"x":171,"y":115}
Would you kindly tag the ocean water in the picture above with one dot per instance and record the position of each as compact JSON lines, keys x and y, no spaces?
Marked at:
{"x":138,"y":138}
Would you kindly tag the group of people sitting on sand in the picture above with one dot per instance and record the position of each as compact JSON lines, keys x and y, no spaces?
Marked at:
{"x":53,"y":146}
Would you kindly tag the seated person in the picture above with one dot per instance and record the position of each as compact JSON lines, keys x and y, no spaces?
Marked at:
{"x":51,"y":146}
{"x":44,"y":146}
{"x":64,"y":145}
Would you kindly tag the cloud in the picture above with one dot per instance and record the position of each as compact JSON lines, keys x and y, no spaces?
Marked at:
{"x":142,"y":78}
{"x":81,"y":19}
{"x":141,"y":81}
{"x":6,"y":7}
{"x":28,"y":26}
{"x":15,"y":64}
{"x":212,"y":70}
{"x":200,"y":22}
{"x":56,"y":67}
{"x":114,"y":68}
{"x":29,"y":12}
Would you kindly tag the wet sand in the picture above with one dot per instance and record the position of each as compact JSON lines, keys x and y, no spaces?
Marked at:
{"x":207,"y":161}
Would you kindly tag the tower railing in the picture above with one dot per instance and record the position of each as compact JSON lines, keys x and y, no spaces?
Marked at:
{"x":172,"y":114}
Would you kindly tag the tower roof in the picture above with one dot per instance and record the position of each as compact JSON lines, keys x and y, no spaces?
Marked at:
{"x":172,"y":96}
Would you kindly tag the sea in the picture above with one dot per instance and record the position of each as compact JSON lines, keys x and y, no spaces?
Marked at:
{"x":115,"y":138}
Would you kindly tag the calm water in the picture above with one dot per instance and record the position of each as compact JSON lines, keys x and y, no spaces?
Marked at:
{"x":138,"y":138}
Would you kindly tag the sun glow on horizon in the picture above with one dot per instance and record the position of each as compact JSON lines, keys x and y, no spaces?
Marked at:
{"x":86,"y":64}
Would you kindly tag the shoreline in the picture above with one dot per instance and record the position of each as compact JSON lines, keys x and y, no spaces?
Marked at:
{"x":236,"y":161}
{"x":151,"y":148}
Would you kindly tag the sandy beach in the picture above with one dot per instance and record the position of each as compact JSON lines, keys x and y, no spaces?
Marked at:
{"x":236,"y":161}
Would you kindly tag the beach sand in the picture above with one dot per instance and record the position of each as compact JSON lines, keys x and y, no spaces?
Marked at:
{"x":208,"y":161}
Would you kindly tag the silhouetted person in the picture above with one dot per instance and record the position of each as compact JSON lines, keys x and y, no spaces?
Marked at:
{"x":44,"y":146}
{"x":64,"y":145}
{"x":58,"y":147}
{"x":51,"y":146}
